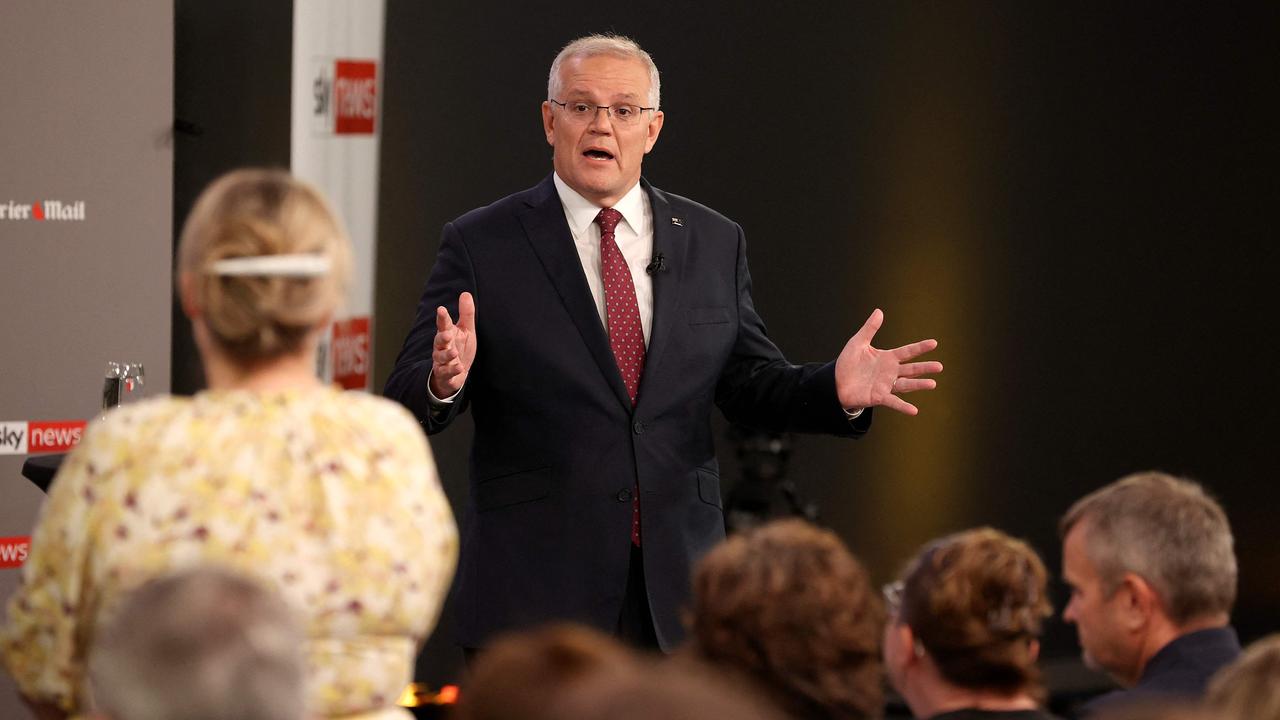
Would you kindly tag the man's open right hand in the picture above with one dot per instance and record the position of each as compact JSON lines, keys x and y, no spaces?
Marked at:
{"x":454,"y":348}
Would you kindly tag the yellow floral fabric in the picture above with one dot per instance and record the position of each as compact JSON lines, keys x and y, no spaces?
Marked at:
{"x":331,"y":498}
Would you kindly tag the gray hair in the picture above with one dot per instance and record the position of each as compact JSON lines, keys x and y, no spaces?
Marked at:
{"x":204,"y":644}
{"x":615,"y":45}
{"x":1166,"y":530}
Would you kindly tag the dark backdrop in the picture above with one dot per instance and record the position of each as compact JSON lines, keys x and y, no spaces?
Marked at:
{"x":1075,"y":199}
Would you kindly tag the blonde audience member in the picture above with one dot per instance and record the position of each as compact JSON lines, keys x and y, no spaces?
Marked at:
{"x":964,"y":626}
{"x":329,"y":498}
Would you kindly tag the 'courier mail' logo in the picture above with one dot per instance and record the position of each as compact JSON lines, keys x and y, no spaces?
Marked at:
{"x":41,"y":210}
{"x":344,"y":95}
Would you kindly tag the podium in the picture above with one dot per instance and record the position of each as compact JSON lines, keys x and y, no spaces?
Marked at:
{"x":40,"y":469}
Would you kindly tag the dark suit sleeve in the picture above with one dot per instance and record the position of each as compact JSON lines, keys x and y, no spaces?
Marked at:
{"x":760,"y":389}
{"x":451,"y":276}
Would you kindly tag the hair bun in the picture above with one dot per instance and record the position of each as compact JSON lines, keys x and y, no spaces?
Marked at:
{"x":244,"y":229}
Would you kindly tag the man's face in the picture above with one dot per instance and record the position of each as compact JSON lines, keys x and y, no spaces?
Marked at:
{"x":1107,"y":642}
{"x":599,"y":158}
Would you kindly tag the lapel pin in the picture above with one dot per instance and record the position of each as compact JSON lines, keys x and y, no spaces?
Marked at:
{"x":678,"y":222}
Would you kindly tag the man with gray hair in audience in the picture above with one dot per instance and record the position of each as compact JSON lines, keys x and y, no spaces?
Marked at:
{"x":1152,"y":571}
{"x":204,"y":644}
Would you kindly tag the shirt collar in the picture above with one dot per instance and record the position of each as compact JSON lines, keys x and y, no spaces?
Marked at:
{"x":581,"y":212}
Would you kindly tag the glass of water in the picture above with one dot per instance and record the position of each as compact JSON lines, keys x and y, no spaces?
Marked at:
{"x":122,"y":383}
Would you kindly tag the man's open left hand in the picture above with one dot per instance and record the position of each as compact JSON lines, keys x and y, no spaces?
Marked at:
{"x":870,"y":377}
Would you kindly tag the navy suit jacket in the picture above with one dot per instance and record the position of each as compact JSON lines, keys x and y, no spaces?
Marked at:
{"x":1181,"y":669}
{"x":558,"y":447}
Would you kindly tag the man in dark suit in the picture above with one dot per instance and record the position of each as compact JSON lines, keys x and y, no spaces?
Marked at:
{"x":1152,"y":569}
{"x":598,"y":318}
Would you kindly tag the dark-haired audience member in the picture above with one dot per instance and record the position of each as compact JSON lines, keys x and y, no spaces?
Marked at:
{"x":1152,"y":570}
{"x":789,"y":607}
{"x":521,"y":675}
{"x":964,"y":627}
{"x":1249,"y":688}
{"x":673,"y":690}
{"x":204,"y":643}
{"x":329,"y":498}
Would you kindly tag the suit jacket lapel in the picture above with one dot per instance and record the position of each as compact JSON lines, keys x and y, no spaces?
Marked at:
{"x":670,"y":242}
{"x":548,"y":233}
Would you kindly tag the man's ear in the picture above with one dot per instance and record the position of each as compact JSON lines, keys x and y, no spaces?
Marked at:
{"x":1137,"y":600}
{"x":548,"y":123}
{"x":654,"y":128}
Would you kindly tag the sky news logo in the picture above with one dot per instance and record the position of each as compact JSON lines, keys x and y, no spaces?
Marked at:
{"x":42,"y":210}
{"x":33,"y":437}
{"x":351,"y":353}
{"x":345,"y":96}
{"x":14,"y":551}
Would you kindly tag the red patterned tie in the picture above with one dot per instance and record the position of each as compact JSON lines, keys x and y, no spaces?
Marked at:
{"x":626,"y":336}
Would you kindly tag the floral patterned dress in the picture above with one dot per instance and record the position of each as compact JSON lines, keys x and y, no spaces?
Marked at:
{"x":332,"y":498}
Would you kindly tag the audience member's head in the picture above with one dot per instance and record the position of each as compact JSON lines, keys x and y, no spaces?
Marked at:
{"x":1149,"y":558}
{"x":262,"y":263}
{"x":199,"y":645}
{"x":790,"y":607}
{"x":521,"y":676}
{"x":964,"y":624}
{"x":1249,"y":688}
{"x":674,"y":690}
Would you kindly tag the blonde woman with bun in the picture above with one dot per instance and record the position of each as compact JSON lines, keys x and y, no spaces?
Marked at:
{"x":329,"y":498}
{"x":964,"y":627}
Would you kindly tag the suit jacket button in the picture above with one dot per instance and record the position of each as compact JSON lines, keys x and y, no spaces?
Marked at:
{"x":624,"y":495}
{"x":638,"y":427}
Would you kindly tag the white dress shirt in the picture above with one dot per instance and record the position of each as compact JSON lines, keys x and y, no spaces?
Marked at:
{"x":634,"y":236}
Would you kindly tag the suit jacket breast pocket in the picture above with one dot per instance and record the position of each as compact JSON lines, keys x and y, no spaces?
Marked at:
{"x":708,"y":487}
{"x":516,"y":488}
{"x":707,"y":316}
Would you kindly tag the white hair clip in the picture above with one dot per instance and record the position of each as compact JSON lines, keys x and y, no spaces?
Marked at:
{"x":298,"y":266}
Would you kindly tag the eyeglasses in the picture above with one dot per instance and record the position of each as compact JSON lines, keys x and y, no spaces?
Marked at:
{"x":893,"y":598}
{"x":583,"y":112}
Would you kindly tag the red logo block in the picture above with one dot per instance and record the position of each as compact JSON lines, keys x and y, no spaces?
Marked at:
{"x":355,"y":96}
{"x":14,"y":551}
{"x":52,"y":436}
{"x":351,"y":353}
